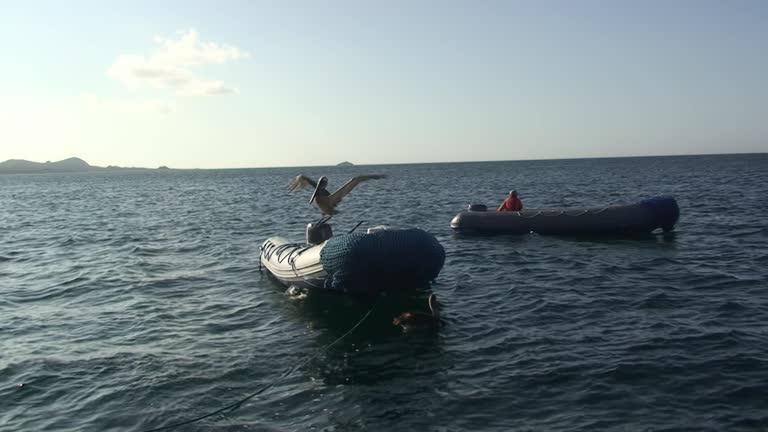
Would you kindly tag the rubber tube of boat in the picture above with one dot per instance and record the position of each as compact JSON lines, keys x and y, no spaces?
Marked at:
{"x":317,"y":234}
{"x":477,"y":207}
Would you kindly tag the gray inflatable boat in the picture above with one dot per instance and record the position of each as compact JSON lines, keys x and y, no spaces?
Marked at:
{"x":642,"y":217}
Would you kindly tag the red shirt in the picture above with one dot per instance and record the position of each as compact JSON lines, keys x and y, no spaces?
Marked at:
{"x":511,"y":204}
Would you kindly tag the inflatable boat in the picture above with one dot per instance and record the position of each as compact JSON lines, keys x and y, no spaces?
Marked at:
{"x":380,"y":259}
{"x":642,"y":217}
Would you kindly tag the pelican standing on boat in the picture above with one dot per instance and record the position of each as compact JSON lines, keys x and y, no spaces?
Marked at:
{"x":324,"y":200}
{"x":420,"y":320}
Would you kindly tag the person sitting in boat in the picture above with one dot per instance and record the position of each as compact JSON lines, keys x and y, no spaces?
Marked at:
{"x":512,"y":203}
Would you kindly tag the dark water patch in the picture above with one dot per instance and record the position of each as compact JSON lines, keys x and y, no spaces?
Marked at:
{"x":731,"y":307}
{"x":70,"y":288}
{"x":147,"y":251}
{"x":659,"y":300}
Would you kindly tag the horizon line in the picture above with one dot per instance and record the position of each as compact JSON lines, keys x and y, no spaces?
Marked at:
{"x":483,"y":161}
{"x":415,"y":163}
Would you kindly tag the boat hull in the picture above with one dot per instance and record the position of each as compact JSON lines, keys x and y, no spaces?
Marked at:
{"x":293,"y":264}
{"x":385,"y":260}
{"x":642,"y":217}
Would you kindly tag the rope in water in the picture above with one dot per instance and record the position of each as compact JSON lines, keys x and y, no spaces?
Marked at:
{"x":235,"y":405}
{"x":558,"y":212}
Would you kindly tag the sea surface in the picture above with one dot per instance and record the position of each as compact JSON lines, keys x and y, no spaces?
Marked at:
{"x":131,"y":301}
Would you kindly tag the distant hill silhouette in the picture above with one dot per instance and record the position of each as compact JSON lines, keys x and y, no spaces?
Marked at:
{"x":345,"y":163}
{"x":20,"y":166}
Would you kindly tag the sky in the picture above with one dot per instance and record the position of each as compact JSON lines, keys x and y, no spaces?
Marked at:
{"x":234,"y":84}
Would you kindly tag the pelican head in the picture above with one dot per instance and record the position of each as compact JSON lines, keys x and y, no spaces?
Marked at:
{"x":420,"y":320}
{"x":321,"y":183}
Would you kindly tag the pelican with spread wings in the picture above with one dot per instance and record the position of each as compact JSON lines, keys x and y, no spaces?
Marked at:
{"x":321,"y":198}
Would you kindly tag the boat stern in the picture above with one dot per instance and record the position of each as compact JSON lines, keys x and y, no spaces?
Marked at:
{"x":664,"y":210}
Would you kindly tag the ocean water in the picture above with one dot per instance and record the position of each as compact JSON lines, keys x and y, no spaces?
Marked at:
{"x":133,"y":301}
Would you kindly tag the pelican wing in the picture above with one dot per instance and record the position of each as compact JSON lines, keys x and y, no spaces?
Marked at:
{"x":301,"y":182}
{"x":347,"y":187}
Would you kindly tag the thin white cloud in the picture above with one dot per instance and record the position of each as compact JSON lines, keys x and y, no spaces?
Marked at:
{"x":169,"y":66}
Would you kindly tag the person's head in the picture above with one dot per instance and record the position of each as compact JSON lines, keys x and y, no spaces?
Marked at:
{"x":513,"y":193}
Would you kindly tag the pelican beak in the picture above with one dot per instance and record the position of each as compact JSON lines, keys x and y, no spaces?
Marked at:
{"x":314,"y":194}
{"x":320,"y":183}
{"x":434,"y":306}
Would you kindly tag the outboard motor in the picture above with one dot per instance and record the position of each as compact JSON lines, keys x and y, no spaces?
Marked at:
{"x":477,"y":207}
{"x":319,"y":233}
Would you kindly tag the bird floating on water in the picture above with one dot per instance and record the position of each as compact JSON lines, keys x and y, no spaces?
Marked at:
{"x":324,"y":200}
{"x":420,"y":320}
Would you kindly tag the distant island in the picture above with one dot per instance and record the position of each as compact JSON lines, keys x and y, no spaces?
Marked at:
{"x":345,"y":164}
{"x":71,"y":165}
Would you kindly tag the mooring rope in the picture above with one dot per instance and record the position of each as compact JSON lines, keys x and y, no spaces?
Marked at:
{"x":236,"y":405}
{"x":561,"y":212}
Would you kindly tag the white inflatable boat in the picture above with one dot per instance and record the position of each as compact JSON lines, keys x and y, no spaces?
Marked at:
{"x":379,"y":260}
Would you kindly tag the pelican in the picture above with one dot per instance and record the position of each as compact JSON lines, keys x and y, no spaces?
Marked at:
{"x":420,"y":320}
{"x":324,"y":200}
